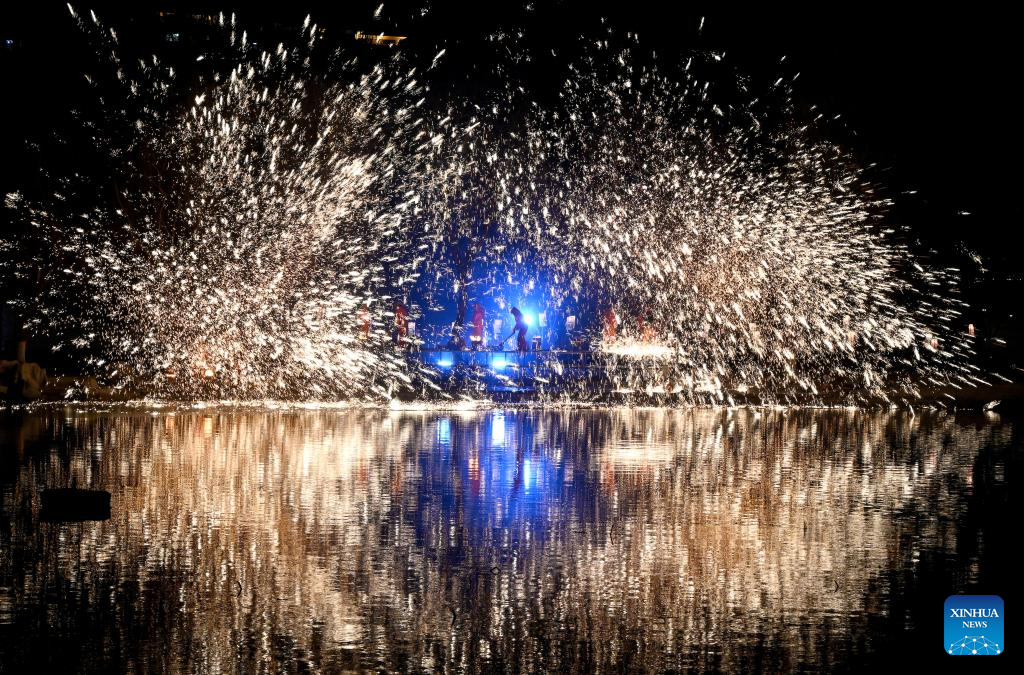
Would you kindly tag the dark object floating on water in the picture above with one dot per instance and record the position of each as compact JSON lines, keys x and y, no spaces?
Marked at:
{"x":74,"y":505}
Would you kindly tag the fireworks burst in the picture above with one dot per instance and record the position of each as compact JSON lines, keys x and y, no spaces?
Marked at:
{"x":737,"y":241}
{"x":257,"y":234}
{"x":262,"y":231}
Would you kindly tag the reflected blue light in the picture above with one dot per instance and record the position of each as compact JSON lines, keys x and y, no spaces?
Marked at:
{"x":444,"y":431}
{"x":445,"y":363}
{"x":498,"y":429}
{"x":498,"y":363}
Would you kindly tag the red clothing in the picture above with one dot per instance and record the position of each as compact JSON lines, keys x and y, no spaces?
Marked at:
{"x":611,"y":323}
{"x":401,"y":321}
{"x":478,"y":324}
{"x":364,"y":322}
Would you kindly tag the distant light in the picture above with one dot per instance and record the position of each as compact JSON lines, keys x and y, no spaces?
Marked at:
{"x":498,"y":363}
{"x":445,"y":360}
{"x":380,"y":39}
{"x":528,"y":319}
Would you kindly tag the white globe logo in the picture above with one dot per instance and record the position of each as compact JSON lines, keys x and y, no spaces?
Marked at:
{"x":986,"y":647}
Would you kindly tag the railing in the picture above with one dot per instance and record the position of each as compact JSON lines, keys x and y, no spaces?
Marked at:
{"x":508,"y":370}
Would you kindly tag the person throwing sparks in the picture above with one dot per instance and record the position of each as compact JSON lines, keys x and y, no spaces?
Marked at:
{"x":364,"y":322}
{"x":401,"y":325}
{"x":521,"y":328}
{"x":611,"y":323}
{"x":476,"y":337}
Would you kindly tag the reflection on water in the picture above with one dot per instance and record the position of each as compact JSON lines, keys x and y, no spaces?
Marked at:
{"x":523,"y":541}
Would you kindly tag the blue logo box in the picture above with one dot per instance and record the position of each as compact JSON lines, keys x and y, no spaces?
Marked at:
{"x":973,"y":625}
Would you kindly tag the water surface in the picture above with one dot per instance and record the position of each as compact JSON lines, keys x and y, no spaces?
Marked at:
{"x":563,"y":541}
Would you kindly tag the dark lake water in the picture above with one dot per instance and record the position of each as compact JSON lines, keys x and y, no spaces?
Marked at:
{"x":325,"y":540}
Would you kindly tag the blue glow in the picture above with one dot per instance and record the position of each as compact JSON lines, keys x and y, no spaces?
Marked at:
{"x":444,"y":431}
{"x":498,"y":430}
{"x":445,"y":363}
{"x":498,"y":363}
{"x":528,"y":319}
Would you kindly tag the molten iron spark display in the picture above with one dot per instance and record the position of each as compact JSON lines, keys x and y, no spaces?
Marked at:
{"x":262,"y":233}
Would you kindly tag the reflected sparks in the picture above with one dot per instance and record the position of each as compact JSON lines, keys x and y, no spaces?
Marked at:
{"x":419,"y":541}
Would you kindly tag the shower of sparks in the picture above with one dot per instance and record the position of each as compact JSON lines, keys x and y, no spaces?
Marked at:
{"x":729,"y":234}
{"x":257,"y":234}
{"x":636,"y":348}
{"x":261,"y":234}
